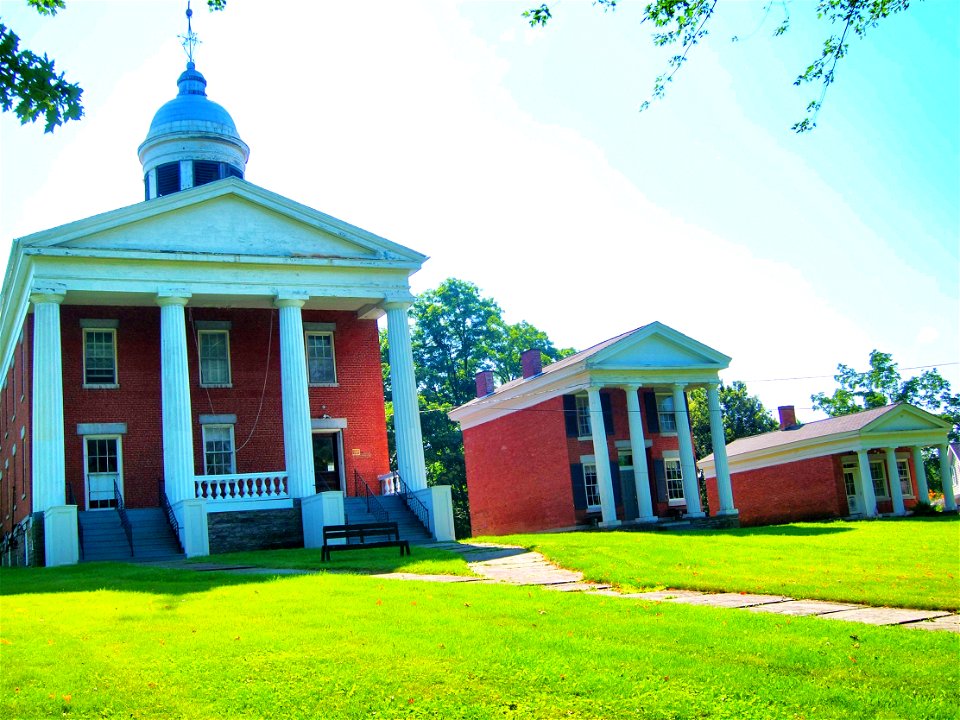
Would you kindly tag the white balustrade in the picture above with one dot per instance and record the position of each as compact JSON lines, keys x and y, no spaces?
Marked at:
{"x":389,"y":484}
{"x":247,"y":486}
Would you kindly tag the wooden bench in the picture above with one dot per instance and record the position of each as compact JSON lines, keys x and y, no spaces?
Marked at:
{"x":361,"y":532}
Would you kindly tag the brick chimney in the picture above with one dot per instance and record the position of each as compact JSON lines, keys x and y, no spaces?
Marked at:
{"x":788,"y":417}
{"x":484,"y":383}
{"x":532,"y":363}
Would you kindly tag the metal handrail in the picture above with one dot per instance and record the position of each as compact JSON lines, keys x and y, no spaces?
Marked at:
{"x":171,"y":516}
{"x":72,"y":500}
{"x":122,"y":512}
{"x":361,"y":489}
{"x":413,"y":503}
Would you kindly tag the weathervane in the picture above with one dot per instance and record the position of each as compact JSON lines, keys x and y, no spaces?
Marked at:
{"x":190,"y":40}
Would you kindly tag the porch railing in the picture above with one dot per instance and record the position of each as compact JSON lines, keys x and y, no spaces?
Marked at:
{"x":122,"y":512}
{"x":171,"y":516}
{"x":248,"y":486}
{"x":361,"y":489}
{"x":72,"y":500}
{"x":398,"y":487}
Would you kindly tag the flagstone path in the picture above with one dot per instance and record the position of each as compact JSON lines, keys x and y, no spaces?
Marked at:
{"x":514,"y":565}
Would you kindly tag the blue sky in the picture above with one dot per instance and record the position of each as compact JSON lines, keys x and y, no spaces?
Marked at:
{"x":516,"y":159}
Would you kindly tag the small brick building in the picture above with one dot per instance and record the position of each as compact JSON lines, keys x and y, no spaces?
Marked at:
{"x":215,"y":346}
{"x":818,"y":470}
{"x":601,"y":435}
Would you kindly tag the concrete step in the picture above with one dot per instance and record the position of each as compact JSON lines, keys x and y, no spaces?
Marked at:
{"x":105,"y":539}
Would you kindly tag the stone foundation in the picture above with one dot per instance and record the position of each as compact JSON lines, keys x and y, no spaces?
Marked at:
{"x":255,"y":530}
{"x":24,"y":546}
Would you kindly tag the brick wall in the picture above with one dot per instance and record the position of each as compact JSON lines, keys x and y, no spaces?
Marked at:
{"x":518,"y":475}
{"x":16,"y":490}
{"x":255,"y":374}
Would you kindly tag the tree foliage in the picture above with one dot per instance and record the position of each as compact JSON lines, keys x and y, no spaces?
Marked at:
{"x":30,"y":85}
{"x":683,"y":23}
{"x":743,"y":415}
{"x":882,"y":385}
{"x":457,"y":332}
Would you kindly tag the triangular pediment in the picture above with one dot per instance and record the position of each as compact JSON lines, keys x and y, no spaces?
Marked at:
{"x":904,"y":418}
{"x":658,"y":346}
{"x":230,"y":217}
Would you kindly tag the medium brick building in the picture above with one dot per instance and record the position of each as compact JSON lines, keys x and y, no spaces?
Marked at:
{"x":859,"y":465}
{"x":603,"y":434}
{"x":215,"y":346}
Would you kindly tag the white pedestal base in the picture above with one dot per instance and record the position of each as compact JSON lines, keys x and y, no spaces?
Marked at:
{"x":60,"y":542}
{"x":319,"y":510}
{"x":194,"y":535}
{"x":439,"y":503}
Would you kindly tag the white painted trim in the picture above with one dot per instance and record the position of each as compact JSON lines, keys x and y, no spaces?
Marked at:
{"x":116,"y":428}
{"x":233,"y":448}
{"x":333,"y":354}
{"x":99,"y":323}
{"x":86,"y":466}
{"x":224,"y":419}
{"x":328,"y":424}
{"x":116,"y":366}
{"x":201,"y":333}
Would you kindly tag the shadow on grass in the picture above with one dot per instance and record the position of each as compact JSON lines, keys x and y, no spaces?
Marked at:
{"x":782,"y":530}
{"x":124,"y":577}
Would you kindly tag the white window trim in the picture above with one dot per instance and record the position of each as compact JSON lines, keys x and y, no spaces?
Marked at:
{"x":585,"y":399}
{"x":213,"y":331}
{"x":598,"y":506}
{"x":904,"y":458}
{"x":116,"y":368}
{"x":233,"y":447}
{"x":86,"y":475}
{"x":882,"y":462}
{"x":660,"y":413}
{"x":674,"y":457}
{"x":333,"y":356}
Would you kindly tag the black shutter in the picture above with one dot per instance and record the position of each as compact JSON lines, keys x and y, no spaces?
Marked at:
{"x":607,"y":411}
{"x":579,"y":492}
{"x":650,"y":410}
{"x":205,"y":171}
{"x":570,"y":415}
{"x":615,"y":478}
{"x":168,"y":179}
{"x":660,"y":473}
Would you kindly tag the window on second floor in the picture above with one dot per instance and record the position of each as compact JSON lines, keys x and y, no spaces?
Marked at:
{"x":583,"y":416}
{"x":214,"y":353}
{"x":666,"y":413}
{"x":321,"y":360}
{"x":99,"y":357}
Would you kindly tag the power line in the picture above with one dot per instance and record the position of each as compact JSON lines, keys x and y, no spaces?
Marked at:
{"x":819,"y":377}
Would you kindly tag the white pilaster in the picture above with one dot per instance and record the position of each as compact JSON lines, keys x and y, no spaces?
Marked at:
{"x":923,"y":491}
{"x":866,"y":485}
{"x":608,"y":508}
{"x":641,"y":474}
{"x":688,"y":466}
{"x":178,"y":467}
{"x":717,"y":435}
{"x":297,"y":439}
{"x":893,"y":476}
{"x":49,"y":476}
{"x":946,"y":475}
{"x":406,"y":408}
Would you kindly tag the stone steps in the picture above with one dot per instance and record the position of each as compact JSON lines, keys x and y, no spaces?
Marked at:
{"x":105,"y":539}
{"x":410,"y":528}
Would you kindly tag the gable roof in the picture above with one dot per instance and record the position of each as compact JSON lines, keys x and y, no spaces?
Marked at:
{"x":650,"y":354}
{"x":888,"y":426}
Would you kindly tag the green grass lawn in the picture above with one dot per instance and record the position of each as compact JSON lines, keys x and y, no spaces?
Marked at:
{"x":112,"y":640}
{"x":902,"y":563}
{"x":422,"y":560}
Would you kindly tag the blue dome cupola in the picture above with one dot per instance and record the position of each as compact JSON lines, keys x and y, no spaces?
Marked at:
{"x":192,"y":140}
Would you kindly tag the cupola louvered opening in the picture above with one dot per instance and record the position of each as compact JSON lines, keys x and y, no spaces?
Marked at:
{"x":206,"y":171}
{"x":168,"y":179}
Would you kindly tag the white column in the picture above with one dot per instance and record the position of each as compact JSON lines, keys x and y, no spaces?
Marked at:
{"x":608,"y":510}
{"x":866,"y":485}
{"x":641,"y":475}
{"x":893,"y":475}
{"x":717,"y":435}
{"x":49,"y":476}
{"x":923,"y":492}
{"x":406,"y":407}
{"x":297,"y":433}
{"x":946,"y":475}
{"x":178,"y":467}
{"x":688,"y":466}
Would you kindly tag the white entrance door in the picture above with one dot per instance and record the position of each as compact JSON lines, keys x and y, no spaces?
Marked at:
{"x":851,"y":481}
{"x":103,"y":467}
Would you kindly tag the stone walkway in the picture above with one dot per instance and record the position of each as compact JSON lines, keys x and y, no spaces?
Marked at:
{"x":514,"y":565}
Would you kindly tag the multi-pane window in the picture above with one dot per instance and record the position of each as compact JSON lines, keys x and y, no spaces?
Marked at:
{"x":100,"y":357}
{"x":666,"y":413}
{"x":103,"y":471}
{"x":903,"y":470}
{"x":583,"y":416}
{"x":321,"y":364}
{"x":878,"y":471}
{"x":674,"y":476}
{"x":849,"y":479}
{"x":218,"y":451}
{"x":625,"y":458}
{"x":214,"y":357}
{"x":590,"y":485}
